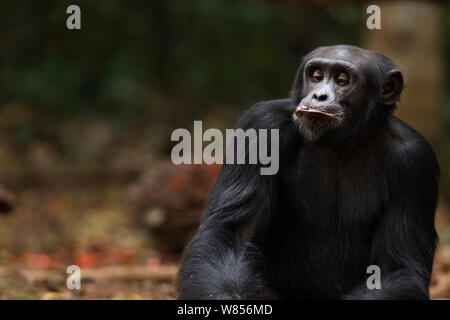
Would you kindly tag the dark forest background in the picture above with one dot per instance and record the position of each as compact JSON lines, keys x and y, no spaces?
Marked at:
{"x":86,"y":117}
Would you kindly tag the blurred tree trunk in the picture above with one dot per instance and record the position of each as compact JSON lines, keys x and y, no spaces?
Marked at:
{"x":410,"y":36}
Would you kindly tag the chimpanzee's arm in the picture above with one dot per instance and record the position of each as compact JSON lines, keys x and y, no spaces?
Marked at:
{"x":405,"y":240}
{"x":223,"y":260}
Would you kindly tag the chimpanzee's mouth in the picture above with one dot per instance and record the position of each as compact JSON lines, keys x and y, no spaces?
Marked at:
{"x":313,"y":114}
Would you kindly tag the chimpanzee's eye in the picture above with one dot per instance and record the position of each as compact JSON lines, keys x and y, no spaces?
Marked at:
{"x":343,"y":79}
{"x":317,"y":75}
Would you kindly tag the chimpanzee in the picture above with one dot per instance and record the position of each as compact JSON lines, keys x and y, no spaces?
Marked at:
{"x":356,"y":187}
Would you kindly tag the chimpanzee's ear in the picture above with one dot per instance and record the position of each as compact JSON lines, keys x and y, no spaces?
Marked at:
{"x":297,"y":85}
{"x":392,"y":87}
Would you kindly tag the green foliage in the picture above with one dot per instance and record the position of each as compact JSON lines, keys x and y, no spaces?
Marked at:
{"x":444,"y":149}
{"x":209,"y":51}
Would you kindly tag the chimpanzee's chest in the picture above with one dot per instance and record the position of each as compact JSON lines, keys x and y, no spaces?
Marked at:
{"x":327,"y":218}
{"x":324,"y":190}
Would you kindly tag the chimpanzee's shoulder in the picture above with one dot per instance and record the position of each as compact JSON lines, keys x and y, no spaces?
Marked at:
{"x":271,"y":114}
{"x":410,"y":148}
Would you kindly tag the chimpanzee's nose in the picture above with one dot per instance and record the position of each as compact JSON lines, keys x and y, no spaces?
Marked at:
{"x":321,"y":97}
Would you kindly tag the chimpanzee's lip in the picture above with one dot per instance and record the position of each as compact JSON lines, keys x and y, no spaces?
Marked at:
{"x":307,"y":111}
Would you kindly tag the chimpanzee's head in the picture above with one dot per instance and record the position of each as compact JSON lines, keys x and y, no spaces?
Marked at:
{"x":339,"y":89}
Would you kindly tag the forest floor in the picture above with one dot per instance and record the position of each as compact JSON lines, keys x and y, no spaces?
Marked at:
{"x":51,"y":229}
{"x":136,"y":282}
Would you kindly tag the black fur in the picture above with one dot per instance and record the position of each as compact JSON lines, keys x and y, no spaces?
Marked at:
{"x":362,"y":194}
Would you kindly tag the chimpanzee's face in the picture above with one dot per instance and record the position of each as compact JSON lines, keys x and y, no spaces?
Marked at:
{"x":338,"y":89}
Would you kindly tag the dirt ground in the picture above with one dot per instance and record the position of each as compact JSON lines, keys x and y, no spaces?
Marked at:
{"x":138,"y":282}
{"x":113,"y":282}
{"x":52,"y":229}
